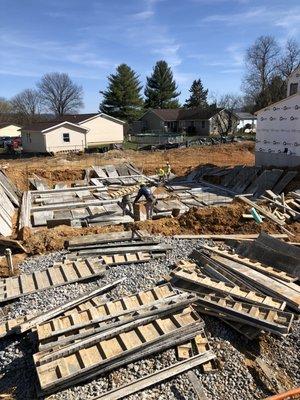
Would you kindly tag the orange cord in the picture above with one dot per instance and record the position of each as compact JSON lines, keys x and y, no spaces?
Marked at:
{"x":282,"y":396}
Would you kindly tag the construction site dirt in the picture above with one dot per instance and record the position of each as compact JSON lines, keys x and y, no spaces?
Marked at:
{"x":201,"y":301}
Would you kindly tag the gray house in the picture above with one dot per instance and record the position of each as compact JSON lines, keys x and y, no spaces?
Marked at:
{"x":194,"y":121}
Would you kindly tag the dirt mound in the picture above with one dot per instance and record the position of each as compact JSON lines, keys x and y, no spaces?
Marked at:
{"x":207,"y":220}
{"x":221,"y":220}
{"x":214,"y":220}
{"x":67,"y":168}
{"x":44,"y":240}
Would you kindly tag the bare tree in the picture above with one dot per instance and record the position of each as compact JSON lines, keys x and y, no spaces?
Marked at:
{"x":261,"y":63}
{"x":5,"y":110}
{"x":290,"y":59}
{"x":27,"y":104}
{"x":226,"y":119}
{"x":59,"y":94}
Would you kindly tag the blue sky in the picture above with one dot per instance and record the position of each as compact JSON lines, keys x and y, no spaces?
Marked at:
{"x":88,"y":39}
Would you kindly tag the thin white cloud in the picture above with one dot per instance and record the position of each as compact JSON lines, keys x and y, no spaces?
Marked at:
{"x":236,"y":53}
{"x":48,"y":55}
{"x":143,"y":15}
{"x":287,"y":18}
{"x":237,"y":18}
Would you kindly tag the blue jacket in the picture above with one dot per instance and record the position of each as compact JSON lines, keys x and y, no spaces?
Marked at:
{"x":144,"y":192}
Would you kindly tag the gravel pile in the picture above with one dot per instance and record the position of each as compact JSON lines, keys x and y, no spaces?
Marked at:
{"x":234,"y":381}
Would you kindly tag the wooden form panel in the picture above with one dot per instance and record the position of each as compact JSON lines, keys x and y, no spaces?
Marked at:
{"x":275,"y":321}
{"x":189,"y":272}
{"x":17,"y":286}
{"x":267,"y":270}
{"x":61,"y":369}
{"x":61,"y":327}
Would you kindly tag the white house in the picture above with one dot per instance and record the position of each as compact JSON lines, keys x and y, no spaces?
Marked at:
{"x":278,"y":129}
{"x":8,"y":129}
{"x":102,"y":128}
{"x":246,"y":120}
{"x":72,"y":133}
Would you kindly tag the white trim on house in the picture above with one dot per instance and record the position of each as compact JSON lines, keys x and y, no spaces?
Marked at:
{"x":109,"y":117}
{"x":63,"y":124}
{"x":103,"y":115}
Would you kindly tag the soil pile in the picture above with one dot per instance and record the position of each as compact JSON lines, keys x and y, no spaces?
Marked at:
{"x":45,"y":240}
{"x":67,"y":168}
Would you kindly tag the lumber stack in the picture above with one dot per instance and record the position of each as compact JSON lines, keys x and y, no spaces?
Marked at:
{"x":237,"y":180}
{"x":121,"y":175}
{"x":248,"y":295}
{"x":90,"y":335}
{"x":116,"y":244}
{"x":9,"y":199}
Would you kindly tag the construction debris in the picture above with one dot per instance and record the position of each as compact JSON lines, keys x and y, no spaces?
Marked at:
{"x":192,"y":302}
{"x":9,"y":199}
{"x":244,"y":179}
{"x":119,"y":244}
{"x":17,"y":286}
{"x":116,"y":344}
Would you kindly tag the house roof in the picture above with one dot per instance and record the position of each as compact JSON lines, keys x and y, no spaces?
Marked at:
{"x":48,"y":125}
{"x":245,"y":115}
{"x":277,"y":102}
{"x":181,"y":114}
{"x":71,"y":118}
{"x":76,"y":118}
{"x":4,"y":124}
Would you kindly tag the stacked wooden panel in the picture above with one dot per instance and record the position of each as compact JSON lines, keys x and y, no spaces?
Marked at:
{"x":9,"y":199}
{"x":248,"y":295}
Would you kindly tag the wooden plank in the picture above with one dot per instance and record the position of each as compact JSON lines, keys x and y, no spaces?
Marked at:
{"x":267,"y":284}
{"x":84,"y":324}
{"x":125,"y":250}
{"x":266,"y":270}
{"x":277,"y":322}
{"x":10,"y":189}
{"x":100,"y":238}
{"x":198,"y":278}
{"x":262,"y":210}
{"x":197,"y":386}
{"x":229,"y":237}
{"x":267,"y":180}
{"x":53,"y":277}
{"x":284,"y":181}
{"x":156,"y":377}
{"x":50,"y":382}
{"x":32,"y":322}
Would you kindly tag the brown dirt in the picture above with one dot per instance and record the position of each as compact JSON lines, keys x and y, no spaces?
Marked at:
{"x":69,"y":168}
{"x":214,"y":220}
{"x":17,"y":259}
{"x":207,"y":220}
{"x":41,"y":241}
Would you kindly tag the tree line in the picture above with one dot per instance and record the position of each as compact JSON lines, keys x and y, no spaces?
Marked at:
{"x":267,"y":66}
{"x":123,"y":97}
{"x":55,"y":94}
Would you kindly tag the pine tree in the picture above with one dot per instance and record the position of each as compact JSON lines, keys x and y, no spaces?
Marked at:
{"x":161,"y":88}
{"x":198,"y":97}
{"x":122,"y":99}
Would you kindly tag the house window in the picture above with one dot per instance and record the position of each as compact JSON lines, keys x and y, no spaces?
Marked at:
{"x":28,"y":137}
{"x":66,"y":137}
{"x":293,"y":88}
{"x":202,"y":124}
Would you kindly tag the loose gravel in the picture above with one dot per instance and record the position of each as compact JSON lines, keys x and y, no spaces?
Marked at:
{"x":235,"y":380}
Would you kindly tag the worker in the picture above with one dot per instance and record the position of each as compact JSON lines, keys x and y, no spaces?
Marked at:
{"x":126,"y":204}
{"x":161,"y":175}
{"x":150,"y":199}
{"x":168,"y":170}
